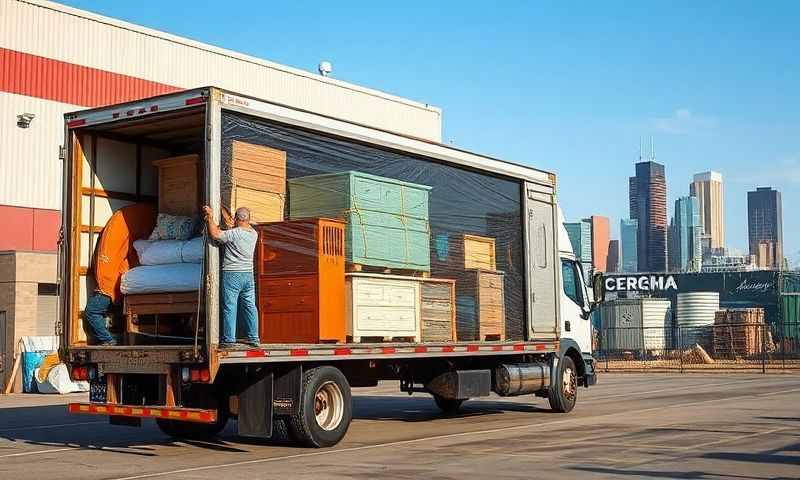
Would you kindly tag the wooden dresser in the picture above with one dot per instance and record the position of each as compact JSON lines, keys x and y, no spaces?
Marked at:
{"x":480,"y":312}
{"x":300,"y":281}
{"x":382,"y":307}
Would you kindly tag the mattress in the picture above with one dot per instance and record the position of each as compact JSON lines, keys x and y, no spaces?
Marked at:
{"x":175,"y":277}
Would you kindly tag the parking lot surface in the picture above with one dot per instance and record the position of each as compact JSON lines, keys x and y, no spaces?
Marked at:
{"x":628,"y":426}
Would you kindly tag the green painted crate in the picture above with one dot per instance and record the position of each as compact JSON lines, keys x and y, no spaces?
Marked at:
{"x":387,"y":219}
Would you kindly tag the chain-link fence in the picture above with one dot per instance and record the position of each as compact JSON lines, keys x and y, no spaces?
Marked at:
{"x":736,"y":347}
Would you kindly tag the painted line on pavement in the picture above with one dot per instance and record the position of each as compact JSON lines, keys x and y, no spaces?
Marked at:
{"x":433,"y":438}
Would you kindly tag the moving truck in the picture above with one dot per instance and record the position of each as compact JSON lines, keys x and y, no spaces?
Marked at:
{"x":393,"y":219}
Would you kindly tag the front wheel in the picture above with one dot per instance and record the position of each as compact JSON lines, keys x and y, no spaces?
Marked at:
{"x":326,"y":408}
{"x":564,"y":392}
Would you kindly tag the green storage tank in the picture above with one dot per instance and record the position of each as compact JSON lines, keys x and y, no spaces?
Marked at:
{"x":387,"y":219}
{"x":791,"y":315}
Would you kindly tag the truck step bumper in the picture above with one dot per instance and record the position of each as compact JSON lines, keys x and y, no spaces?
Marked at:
{"x":168,"y":413}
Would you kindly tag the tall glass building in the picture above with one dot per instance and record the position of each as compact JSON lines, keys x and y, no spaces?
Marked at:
{"x":580,"y":235}
{"x":687,"y":230}
{"x":628,"y":234}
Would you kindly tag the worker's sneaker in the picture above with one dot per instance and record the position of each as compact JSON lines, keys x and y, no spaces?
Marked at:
{"x":110,"y":343}
{"x":227,"y":346}
{"x":253,"y":343}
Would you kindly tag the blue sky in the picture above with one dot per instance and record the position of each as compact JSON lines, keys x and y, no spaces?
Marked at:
{"x":569,"y":87}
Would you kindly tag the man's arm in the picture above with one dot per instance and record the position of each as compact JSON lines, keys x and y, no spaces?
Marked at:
{"x":213,"y":230}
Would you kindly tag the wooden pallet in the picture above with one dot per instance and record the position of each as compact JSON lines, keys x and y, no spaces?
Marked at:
{"x":404,"y":272}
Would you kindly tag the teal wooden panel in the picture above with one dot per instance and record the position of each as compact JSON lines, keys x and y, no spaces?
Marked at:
{"x":387,"y":220}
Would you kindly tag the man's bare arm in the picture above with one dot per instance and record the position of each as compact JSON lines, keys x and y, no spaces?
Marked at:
{"x":213,"y":230}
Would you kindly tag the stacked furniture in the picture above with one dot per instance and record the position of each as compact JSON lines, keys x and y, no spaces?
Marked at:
{"x":481,"y":305}
{"x":257,"y":180}
{"x":464,"y":251}
{"x":300,"y":281}
{"x":387,"y":219}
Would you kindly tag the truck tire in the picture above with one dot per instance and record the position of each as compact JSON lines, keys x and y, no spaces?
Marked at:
{"x":448,"y":406}
{"x":326,"y":408}
{"x":192,"y":430}
{"x":564,"y":392}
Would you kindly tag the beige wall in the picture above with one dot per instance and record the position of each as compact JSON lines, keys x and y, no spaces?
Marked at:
{"x":27,"y":313}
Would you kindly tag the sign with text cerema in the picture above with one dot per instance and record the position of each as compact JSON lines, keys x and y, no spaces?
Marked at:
{"x":757,"y":289}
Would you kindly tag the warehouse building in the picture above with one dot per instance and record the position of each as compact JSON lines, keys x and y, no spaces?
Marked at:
{"x":55,"y":59}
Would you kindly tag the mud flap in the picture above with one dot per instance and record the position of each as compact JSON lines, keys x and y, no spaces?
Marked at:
{"x":255,"y":406}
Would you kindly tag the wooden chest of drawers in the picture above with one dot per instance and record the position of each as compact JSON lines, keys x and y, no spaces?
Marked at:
{"x":438,"y":310}
{"x":382,"y":307}
{"x":387,"y":219}
{"x":480,"y":311}
{"x":300,"y":267}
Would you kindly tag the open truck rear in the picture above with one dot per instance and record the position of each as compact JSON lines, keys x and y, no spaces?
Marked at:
{"x":168,"y":364}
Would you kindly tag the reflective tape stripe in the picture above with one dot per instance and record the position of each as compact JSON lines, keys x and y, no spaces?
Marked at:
{"x":188,"y":414}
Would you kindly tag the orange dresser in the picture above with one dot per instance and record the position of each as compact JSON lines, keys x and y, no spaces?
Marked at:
{"x":301,"y":293}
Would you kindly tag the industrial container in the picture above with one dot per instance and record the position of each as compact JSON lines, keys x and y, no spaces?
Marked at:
{"x":694,"y":318}
{"x":637,"y":324}
{"x":791,"y":318}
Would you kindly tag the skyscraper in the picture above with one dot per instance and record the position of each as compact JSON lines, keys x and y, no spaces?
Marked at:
{"x":600,"y":238}
{"x":580,"y":235}
{"x":648,"y":204}
{"x":629,"y":241}
{"x":613,"y":256}
{"x":686,"y":250}
{"x":707,"y":187}
{"x":765,"y":226}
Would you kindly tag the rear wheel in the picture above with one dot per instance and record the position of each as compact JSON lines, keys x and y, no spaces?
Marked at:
{"x":564,"y":392}
{"x":325,"y":408}
{"x":448,"y":406}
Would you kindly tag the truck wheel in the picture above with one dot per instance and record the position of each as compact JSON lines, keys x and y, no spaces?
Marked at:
{"x":564,"y":392}
{"x":192,"y":430}
{"x":448,"y":406}
{"x":325,"y":408}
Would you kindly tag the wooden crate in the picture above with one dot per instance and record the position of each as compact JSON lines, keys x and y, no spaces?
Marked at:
{"x":739,"y":332}
{"x":257,"y":180}
{"x":438,"y":310}
{"x":382,"y":307}
{"x":387,"y":219}
{"x":480,"y":305}
{"x":178,"y":185}
{"x":300,"y":267}
{"x":463,"y":251}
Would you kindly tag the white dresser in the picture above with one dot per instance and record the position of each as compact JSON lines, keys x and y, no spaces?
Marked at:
{"x":382,"y":307}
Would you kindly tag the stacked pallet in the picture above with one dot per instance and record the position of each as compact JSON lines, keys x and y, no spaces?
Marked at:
{"x":738,"y":332}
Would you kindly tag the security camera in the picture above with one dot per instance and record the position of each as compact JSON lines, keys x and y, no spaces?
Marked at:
{"x":24,"y":120}
{"x":325,"y":68}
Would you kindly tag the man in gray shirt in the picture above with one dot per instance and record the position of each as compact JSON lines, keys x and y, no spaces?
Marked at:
{"x":238,"y":284}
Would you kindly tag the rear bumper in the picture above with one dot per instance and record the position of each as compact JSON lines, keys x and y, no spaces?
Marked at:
{"x":169,"y":413}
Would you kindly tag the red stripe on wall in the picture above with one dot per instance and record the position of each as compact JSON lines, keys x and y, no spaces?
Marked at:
{"x":41,"y":77}
{"x":31,"y":229}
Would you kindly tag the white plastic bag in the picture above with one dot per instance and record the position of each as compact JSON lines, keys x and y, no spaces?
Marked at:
{"x":58,"y":381}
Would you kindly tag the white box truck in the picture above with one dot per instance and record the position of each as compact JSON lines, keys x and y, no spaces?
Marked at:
{"x":192,"y":387}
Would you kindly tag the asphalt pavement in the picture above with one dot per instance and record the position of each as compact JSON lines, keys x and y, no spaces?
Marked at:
{"x":628,"y":426}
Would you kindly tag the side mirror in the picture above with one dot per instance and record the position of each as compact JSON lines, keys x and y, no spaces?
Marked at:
{"x":598,"y":288}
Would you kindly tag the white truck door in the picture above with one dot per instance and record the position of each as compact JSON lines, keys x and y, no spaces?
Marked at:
{"x":575,"y":323}
{"x":541,"y":254}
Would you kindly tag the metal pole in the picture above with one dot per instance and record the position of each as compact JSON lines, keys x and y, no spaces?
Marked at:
{"x":763,"y":349}
{"x":680,"y":347}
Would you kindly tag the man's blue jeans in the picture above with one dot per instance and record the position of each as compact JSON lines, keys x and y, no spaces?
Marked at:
{"x":94,"y":318}
{"x":239,"y":295}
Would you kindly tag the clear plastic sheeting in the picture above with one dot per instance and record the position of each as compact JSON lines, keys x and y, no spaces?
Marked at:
{"x":405,"y":214}
{"x":176,"y":277}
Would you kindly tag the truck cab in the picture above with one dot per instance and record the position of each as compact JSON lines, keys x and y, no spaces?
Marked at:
{"x":576,"y":306}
